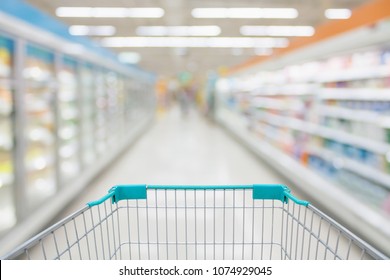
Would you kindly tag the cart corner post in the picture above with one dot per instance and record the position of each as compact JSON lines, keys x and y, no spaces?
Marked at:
{"x":270,"y":192}
{"x":122,"y":192}
{"x":275,"y":192}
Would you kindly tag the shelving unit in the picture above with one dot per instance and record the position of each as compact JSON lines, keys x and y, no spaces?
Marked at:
{"x":322,"y":120}
{"x":370,"y":72}
{"x":39,"y":130}
{"x":7,"y":214}
{"x":61,"y":119}
{"x":88,"y":114}
{"x":329,"y":195}
{"x":362,"y":94}
{"x":353,"y":165}
{"x":68,"y":120}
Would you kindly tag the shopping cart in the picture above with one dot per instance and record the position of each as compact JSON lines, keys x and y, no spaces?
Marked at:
{"x":197,"y":222}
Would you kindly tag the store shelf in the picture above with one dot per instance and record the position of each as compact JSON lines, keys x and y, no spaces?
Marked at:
{"x":325,"y":132}
{"x":353,"y":165}
{"x":285,"y":90}
{"x":356,"y":215}
{"x":346,"y":119}
{"x":347,"y":138}
{"x":366,"y":94}
{"x":287,"y":122}
{"x":273,"y":104}
{"x":361,"y":73}
{"x":353,"y":115}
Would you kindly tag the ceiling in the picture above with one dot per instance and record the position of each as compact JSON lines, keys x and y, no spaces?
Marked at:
{"x":170,"y":61}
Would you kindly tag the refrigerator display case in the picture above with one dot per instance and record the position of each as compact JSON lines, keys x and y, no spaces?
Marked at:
{"x":60,"y":104}
{"x":128,"y":100}
{"x":40,"y":159}
{"x":68,"y":120}
{"x":112,"y":89}
{"x":88,"y":113}
{"x":136,"y":92}
{"x":122,"y":124}
{"x":7,"y":207}
{"x":101,"y":120}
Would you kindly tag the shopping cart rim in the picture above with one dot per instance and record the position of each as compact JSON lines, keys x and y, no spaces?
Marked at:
{"x":280,"y":192}
{"x":260,"y":191}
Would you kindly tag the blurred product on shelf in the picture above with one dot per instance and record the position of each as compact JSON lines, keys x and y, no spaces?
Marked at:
{"x":88,"y":113}
{"x":330,"y":115}
{"x":7,"y":215}
{"x":65,"y":114}
{"x":334,"y":133}
{"x":40,"y":127}
{"x":69,"y":124}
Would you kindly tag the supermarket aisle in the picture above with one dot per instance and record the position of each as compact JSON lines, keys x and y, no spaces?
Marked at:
{"x":185,"y":151}
{"x":182,"y":151}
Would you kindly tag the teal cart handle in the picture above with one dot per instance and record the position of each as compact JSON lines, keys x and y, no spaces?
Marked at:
{"x":264,"y":192}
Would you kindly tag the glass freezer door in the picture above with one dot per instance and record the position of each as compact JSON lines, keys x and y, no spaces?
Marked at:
{"x":40,"y":164}
{"x":69,"y":121}
{"x":88,"y":115}
{"x":111,"y":81}
{"x":7,"y":207}
{"x":101,"y":133}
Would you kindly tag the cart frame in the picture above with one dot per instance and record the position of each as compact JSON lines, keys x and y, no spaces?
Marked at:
{"x":197,"y":222}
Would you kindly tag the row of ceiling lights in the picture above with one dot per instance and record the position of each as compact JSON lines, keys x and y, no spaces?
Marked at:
{"x":196,"y":36}
{"x":201,"y":30}
{"x":188,"y":31}
{"x":153,"y":12}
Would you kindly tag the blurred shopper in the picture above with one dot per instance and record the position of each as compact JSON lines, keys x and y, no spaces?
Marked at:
{"x":185,"y":100}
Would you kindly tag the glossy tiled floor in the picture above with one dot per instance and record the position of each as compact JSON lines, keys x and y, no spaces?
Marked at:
{"x":177,"y":150}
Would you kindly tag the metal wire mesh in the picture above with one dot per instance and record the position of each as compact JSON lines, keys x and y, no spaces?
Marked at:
{"x":196,"y":224}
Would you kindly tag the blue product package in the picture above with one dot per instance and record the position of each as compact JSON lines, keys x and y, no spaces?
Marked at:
{"x":348,"y":150}
{"x":331,"y":170}
{"x":385,"y":57}
{"x":338,"y":147}
{"x":362,"y":155}
{"x":355,"y":152}
{"x":372,"y":160}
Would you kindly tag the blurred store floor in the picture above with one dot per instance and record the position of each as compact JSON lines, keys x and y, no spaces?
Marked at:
{"x":179,"y":150}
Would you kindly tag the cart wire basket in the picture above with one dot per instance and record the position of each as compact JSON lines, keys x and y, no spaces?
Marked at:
{"x":144,"y":222}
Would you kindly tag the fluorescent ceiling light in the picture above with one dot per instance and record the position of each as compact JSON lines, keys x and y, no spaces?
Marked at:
{"x":85,"y":30}
{"x":244,"y":13}
{"x":205,"y":30}
{"x":338,"y":13}
{"x":129,"y":57}
{"x":109,"y":12}
{"x":194,"y":42}
{"x":260,"y":30}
